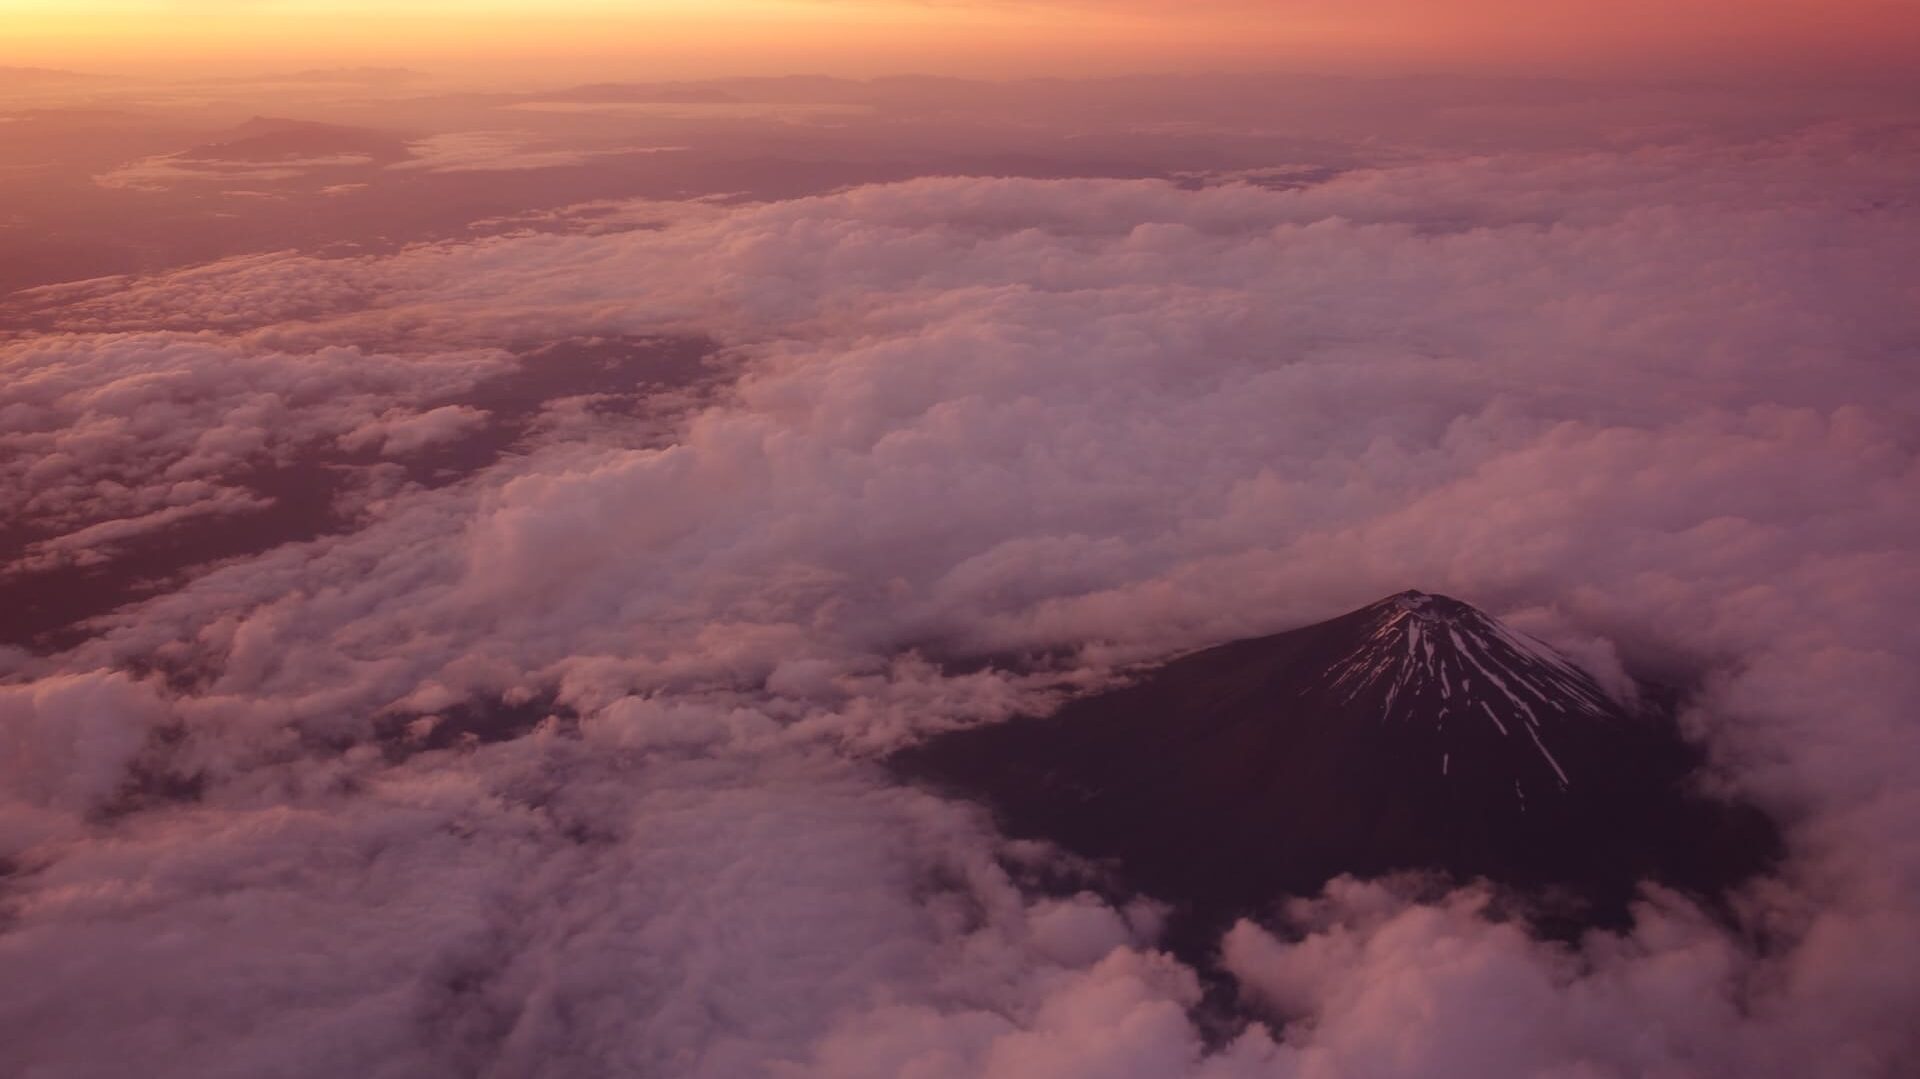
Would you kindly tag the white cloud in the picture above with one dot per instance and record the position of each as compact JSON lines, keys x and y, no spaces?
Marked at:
{"x":1652,"y":400}
{"x":398,"y":432}
{"x":69,"y":737}
{"x":111,"y":436}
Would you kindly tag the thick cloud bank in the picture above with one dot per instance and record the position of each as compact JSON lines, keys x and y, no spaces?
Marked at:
{"x":1655,"y":405}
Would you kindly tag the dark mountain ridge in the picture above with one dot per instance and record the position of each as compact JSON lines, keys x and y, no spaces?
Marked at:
{"x":1414,"y":734}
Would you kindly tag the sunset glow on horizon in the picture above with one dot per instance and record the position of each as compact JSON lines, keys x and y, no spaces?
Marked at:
{"x":1851,"y":38}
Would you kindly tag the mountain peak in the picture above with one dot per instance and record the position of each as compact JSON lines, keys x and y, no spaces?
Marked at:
{"x":1414,"y":599}
{"x":1423,"y":658}
{"x":1416,"y":733}
{"x":1427,"y":607}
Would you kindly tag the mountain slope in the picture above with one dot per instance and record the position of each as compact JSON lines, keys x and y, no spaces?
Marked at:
{"x":1416,"y":733}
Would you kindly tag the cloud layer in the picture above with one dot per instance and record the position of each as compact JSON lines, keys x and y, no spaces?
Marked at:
{"x":1651,"y":403}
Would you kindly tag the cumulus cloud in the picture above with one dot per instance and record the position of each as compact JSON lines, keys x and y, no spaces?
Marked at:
{"x":70,"y":738}
{"x":103,"y":432}
{"x":1649,"y":401}
{"x":97,"y":543}
{"x":397,"y":432}
{"x":1375,"y":984}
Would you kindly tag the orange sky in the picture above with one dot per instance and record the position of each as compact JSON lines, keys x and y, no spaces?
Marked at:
{"x":993,"y":37}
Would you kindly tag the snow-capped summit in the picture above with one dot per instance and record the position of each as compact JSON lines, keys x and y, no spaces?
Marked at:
{"x":1429,"y":658}
{"x":1419,"y":640}
{"x":1416,"y":733}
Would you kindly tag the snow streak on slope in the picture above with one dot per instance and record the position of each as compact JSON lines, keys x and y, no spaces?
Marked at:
{"x":1432,"y":659}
